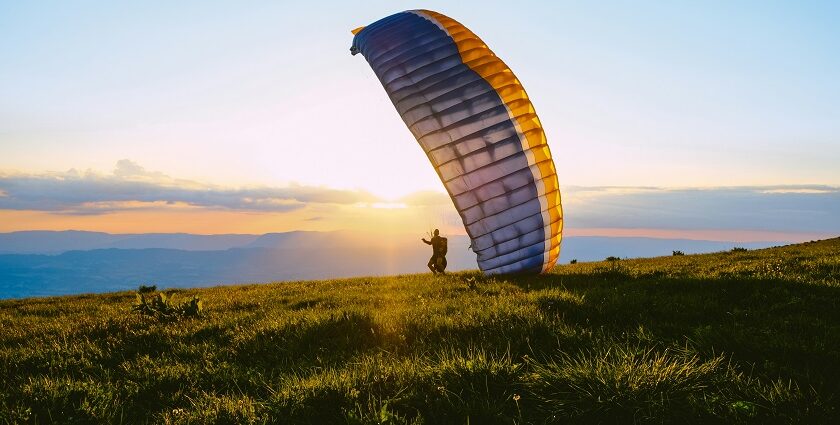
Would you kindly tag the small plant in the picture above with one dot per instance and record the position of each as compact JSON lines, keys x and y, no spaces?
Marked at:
{"x":614,"y":267}
{"x":163,"y":307}
{"x":677,"y":253}
{"x":143,"y":289}
{"x":574,"y":261}
{"x":739,"y":249}
{"x":471,"y":284}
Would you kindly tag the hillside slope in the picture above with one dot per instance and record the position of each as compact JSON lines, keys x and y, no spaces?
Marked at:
{"x":730,"y":337}
{"x":40,"y":263}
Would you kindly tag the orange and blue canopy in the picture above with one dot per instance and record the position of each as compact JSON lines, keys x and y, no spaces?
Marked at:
{"x":476,"y":124}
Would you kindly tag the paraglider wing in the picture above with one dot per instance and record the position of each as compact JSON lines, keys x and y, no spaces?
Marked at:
{"x":475,"y":122}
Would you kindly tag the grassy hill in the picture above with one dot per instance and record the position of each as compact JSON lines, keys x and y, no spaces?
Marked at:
{"x":731,"y":337}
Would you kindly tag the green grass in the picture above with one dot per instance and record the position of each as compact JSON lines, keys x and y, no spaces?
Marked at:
{"x":736,"y":337}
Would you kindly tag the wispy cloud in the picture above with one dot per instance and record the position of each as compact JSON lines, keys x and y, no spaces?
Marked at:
{"x":756,"y":210}
{"x":426,"y":198}
{"x":804,"y":208}
{"x":131,"y":186}
{"x":809,"y":190}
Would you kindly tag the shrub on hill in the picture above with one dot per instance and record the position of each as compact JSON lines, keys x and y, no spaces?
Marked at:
{"x":163,"y":307}
{"x":143,"y":289}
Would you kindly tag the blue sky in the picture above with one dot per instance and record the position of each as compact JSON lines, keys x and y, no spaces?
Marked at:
{"x":669,"y":95}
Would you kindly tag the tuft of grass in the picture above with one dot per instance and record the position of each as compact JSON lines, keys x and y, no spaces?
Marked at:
{"x":632,"y":383}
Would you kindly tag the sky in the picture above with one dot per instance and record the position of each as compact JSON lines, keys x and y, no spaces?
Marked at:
{"x":217,"y":117}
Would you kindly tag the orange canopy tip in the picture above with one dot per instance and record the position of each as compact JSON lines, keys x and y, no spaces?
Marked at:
{"x":357,"y":30}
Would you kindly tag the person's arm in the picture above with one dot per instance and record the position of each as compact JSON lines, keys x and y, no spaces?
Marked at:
{"x":425,"y":241}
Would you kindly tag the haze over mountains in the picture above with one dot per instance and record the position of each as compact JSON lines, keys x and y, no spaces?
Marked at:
{"x":48,"y":242}
{"x":41,"y":263}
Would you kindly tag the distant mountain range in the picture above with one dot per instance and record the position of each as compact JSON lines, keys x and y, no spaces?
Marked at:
{"x":40,"y":263}
{"x":45,"y":242}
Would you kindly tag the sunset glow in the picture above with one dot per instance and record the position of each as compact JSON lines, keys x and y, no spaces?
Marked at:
{"x":259,"y":120}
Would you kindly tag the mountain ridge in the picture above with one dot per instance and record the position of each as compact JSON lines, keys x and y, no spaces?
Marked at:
{"x":261,"y":258}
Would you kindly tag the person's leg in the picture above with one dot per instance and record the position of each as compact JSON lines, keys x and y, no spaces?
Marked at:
{"x":432,"y":264}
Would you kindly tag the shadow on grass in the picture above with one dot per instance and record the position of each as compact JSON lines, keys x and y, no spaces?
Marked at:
{"x":309,"y":342}
{"x":775,"y":326}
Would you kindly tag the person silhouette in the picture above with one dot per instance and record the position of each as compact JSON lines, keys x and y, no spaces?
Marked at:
{"x":437,"y":264}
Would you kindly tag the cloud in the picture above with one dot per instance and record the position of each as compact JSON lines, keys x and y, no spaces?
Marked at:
{"x":131,"y":186}
{"x":798,"y":190}
{"x":128,"y":169}
{"x":426,"y":198}
{"x":802,"y":208}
